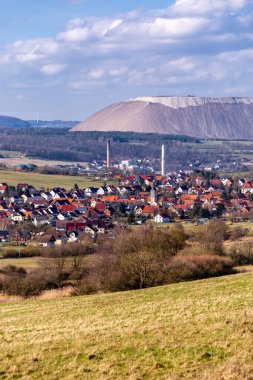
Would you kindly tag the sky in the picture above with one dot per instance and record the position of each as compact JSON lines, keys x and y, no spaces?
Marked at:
{"x":67,"y":59}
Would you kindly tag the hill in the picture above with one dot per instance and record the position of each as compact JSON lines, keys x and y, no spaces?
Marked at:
{"x":227,"y":118}
{"x":53,"y":124}
{"x":13,"y":122}
{"x":197,"y":330}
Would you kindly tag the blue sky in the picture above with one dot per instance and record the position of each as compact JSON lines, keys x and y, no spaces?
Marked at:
{"x":69,"y":58}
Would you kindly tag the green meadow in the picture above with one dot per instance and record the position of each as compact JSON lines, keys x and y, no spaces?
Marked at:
{"x":194,"y":330}
{"x":47,"y":181}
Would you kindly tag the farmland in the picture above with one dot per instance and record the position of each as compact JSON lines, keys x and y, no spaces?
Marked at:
{"x":47,"y":181}
{"x":25,"y":262}
{"x":197,"y":330}
{"x":14,"y":158}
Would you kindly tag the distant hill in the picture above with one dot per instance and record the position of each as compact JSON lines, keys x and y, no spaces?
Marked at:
{"x":13,"y":122}
{"x":230,"y":118}
{"x":53,"y":123}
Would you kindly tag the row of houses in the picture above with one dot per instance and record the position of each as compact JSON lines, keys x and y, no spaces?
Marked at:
{"x":67,"y":215}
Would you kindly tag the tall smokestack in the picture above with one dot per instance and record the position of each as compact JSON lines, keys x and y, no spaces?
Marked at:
{"x":163,"y":161}
{"x":108,"y":149}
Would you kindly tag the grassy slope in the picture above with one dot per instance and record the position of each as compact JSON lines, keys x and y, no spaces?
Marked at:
{"x":192,"y":330}
{"x":47,"y":181}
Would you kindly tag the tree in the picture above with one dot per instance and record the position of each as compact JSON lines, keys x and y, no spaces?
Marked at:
{"x":122,"y":209}
{"x":220,"y":210}
{"x":131,"y":218}
{"x":215,"y":232}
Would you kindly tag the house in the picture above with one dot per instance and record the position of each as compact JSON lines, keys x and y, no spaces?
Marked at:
{"x":20,"y":237}
{"x":17,"y":200}
{"x":162,"y":218}
{"x":89,"y":191}
{"x":40,"y":220}
{"x":47,"y":195}
{"x":149,"y":211}
{"x":4,"y":236}
{"x":102,"y":190}
{"x":61,"y":237}
{"x":72,"y":236}
{"x":3,"y":187}
{"x":18,"y":217}
{"x":89,"y":229}
{"x":45,"y":241}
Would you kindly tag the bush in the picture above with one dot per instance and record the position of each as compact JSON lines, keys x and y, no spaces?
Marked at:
{"x":14,"y":252}
{"x":30,"y":285}
{"x":160,"y":242}
{"x":238,"y":232}
{"x":241,"y":254}
{"x":214,"y":233}
{"x":194,"y":267}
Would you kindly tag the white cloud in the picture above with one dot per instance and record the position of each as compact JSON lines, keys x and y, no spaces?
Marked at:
{"x":96,"y":73}
{"x":31,"y":50}
{"x":74,"y":35}
{"x":52,"y":68}
{"x":207,"y":6}
{"x":78,"y":30}
{"x":203,"y":44}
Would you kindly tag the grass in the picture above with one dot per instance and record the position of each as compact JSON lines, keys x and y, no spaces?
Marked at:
{"x":47,"y":181}
{"x":246,"y":175}
{"x":197,"y":330}
{"x":25,"y":262}
{"x":10,"y":153}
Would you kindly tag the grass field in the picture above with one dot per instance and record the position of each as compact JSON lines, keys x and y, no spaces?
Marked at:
{"x":10,"y":153}
{"x":46,"y":181}
{"x":197,"y":330}
{"x":25,"y":262}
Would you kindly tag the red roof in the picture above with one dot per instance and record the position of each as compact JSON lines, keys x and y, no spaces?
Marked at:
{"x":67,"y":208}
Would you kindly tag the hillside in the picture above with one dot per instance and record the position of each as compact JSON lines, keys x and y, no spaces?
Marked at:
{"x":13,"y":122}
{"x":198,"y":330}
{"x":230,"y":118}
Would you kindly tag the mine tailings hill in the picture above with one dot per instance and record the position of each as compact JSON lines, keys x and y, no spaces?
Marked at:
{"x":194,"y":330}
{"x":227,"y":118}
{"x":13,"y":122}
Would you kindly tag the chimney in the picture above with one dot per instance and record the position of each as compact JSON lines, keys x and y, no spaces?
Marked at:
{"x":108,"y":148}
{"x":163,"y":161}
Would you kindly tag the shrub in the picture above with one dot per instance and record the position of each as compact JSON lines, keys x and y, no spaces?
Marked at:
{"x":238,"y":232}
{"x":158,"y":241}
{"x":24,"y":252}
{"x":214,"y":233}
{"x":241,"y":254}
{"x":194,"y":267}
{"x":30,"y":285}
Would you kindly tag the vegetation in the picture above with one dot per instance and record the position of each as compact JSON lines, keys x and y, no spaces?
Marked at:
{"x":60,"y":144}
{"x":197,"y":330}
{"x":136,"y":259}
{"x":47,"y":181}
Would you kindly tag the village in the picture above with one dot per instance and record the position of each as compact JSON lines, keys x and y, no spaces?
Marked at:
{"x":29,"y":216}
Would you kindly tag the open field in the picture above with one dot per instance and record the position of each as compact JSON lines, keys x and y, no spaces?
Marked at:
{"x":10,"y":153}
{"x":197,"y":330}
{"x":25,"y":262}
{"x":192,"y":227}
{"x":14,"y":161}
{"x":46,"y":181}
{"x":12,"y":158}
{"x":246,"y":175}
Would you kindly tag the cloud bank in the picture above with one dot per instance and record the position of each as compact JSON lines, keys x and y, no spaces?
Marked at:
{"x":192,"y":46}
